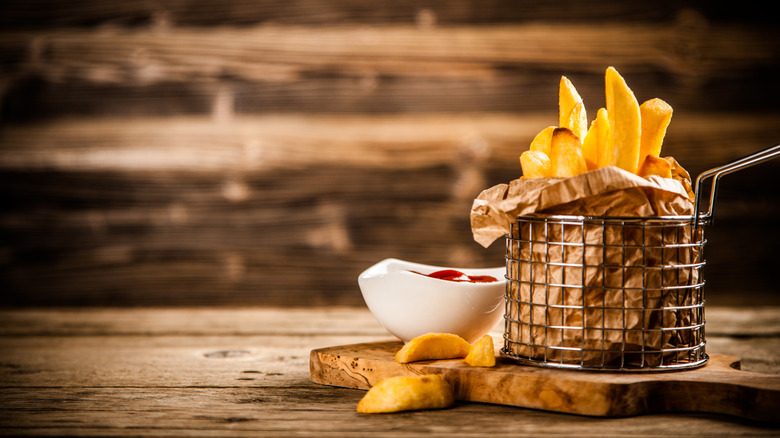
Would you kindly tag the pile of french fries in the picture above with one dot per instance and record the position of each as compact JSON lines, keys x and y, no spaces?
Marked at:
{"x":625,"y":134}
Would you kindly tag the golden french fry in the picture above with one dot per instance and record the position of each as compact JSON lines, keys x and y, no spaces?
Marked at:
{"x":482,"y":353}
{"x":604,"y":131}
{"x":576,"y":121}
{"x":404,"y":393}
{"x":655,"y":115}
{"x":535,"y":164}
{"x":624,"y":123}
{"x":567,"y":97}
{"x":542,"y":140}
{"x":680,"y":174}
{"x":566,"y":154}
{"x":433,"y":346}
{"x":571,"y":109}
{"x":595,"y":143}
{"x":653,"y":165}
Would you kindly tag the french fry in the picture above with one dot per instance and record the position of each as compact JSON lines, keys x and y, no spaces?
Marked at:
{"x":576,"y":121}
{"x":542,"y":140}
{"x":407,"y":393}
{"x":624,"y":123}
{"x":623,"y":134}
{"x":566,"y":154}
{"x":594,"y":146}
{"x":656,"y":115}
{"x":653,"y":165}
{"x":571,"y":109}
{"x":433,"y":346}
{"x":680,"y":174}
{"x":535,"y":164}
{"x":482,"y":353}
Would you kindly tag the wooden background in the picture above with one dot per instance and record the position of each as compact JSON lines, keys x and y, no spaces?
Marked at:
{"x":265,"y":152}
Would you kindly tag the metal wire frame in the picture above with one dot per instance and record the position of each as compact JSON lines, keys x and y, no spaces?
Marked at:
{"x":671,"y":338}
{"x":606,"y":294}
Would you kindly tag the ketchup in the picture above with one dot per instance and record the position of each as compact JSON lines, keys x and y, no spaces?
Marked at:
{"x":453,"y":275}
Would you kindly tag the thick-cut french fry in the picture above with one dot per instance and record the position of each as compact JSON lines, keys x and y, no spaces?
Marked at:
{"x":576,"y":121}
{"x":653,"y":165}
{"x":407,"y":393}
{"x":566,"y":154}
{"x":542,"y":140}
{"x":623,"y":134}
{"x":567,"y":97}
{"x":656,"y":115}
{"x":624,"y":122}
{"x":595,"y":143}
{"x":680,"y":174}
{"x":571,"y":109}
{"x":482,"y":353}
{"x":535,"y":164}
{"x":433,"y":346}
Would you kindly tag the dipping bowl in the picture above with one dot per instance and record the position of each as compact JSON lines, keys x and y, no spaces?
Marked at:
{"x":408,"y":304}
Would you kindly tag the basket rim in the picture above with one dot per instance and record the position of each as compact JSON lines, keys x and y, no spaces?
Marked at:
{"x":671,"y":218}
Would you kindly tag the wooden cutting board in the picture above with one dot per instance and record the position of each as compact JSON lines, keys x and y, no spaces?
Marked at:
{"x":718,"y":387}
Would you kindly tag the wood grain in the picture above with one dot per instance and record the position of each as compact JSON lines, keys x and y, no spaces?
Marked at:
{"x":717,"y":387}
{"x":192,"y":153}
{"x":245,"y":372}
{"x":380,"y":69}
{"x":723,"y":322}
{"x":290,"y":209}
{"x":312,"y":410}
{"x":286,"y":51}
{"x":46,"y":13}
{"x":405,"y":141}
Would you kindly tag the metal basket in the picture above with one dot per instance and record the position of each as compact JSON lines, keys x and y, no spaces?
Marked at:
{"x":608,"y":293}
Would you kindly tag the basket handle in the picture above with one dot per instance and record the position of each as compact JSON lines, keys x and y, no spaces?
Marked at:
{"x":747,"y":161}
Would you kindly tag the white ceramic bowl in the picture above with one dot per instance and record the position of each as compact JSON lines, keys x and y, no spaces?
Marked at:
{"x":409,"y":304}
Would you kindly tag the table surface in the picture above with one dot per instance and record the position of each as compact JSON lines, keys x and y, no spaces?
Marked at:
{"x":245,"y":372}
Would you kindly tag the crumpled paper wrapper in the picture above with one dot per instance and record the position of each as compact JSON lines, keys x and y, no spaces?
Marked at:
{"x":607,"y":191}
{"x":597,"y":293}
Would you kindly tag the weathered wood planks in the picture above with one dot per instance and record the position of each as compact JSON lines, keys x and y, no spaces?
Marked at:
{"x":245,"y":372}
{"x":382,"y":69}
{"x":289,"y":209}
{"x":261,"y":152}
{"x":255,"y":143}
{"x":22,"y":14}
{"x":717,"y":387}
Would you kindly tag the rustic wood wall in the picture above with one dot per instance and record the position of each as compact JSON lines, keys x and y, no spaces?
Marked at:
{"x":265,"y":152}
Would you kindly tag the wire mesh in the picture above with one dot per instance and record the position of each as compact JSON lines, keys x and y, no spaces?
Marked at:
{"x":615,"y":294}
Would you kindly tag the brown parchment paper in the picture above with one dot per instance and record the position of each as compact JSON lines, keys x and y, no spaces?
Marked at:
{"x":607,"y":191}
{"x":596,"y":293}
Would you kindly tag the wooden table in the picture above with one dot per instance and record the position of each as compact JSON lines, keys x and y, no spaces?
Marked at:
{"x":245,"y":372}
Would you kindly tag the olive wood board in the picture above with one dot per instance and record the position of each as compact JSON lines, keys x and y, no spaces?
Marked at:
{"x":718,"y":387}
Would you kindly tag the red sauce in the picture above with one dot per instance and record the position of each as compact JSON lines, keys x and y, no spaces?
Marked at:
{"x":453,"y":275}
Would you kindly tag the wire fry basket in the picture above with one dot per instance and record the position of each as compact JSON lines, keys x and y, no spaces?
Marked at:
{"x":611,"y":293}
